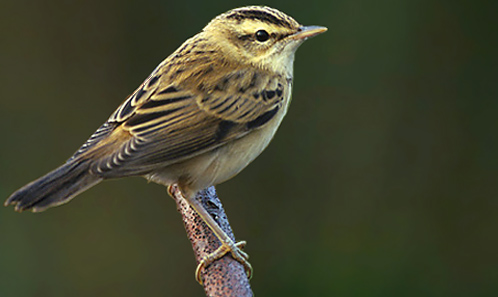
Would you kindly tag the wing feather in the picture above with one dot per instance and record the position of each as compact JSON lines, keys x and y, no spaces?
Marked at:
{"x":163,"y":123}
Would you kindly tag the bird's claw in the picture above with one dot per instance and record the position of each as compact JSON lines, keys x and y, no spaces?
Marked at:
{"x":237,"y":253}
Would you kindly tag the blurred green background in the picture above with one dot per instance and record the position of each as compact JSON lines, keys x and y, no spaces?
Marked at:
{"x":382,"y":180}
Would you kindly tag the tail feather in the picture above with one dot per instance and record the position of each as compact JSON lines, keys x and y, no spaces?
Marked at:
{"x":55,"y":188}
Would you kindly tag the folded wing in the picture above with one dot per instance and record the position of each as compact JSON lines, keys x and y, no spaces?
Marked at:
{"x":162,"y":124}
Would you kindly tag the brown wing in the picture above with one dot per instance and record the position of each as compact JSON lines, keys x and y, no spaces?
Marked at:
{"x":124,"y":111}
{"x":162,"y":124}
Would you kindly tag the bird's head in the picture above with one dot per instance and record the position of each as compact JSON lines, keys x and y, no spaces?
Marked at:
{"x":259,"y":36}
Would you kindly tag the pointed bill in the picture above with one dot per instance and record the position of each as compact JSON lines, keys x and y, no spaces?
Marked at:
{"x":306,"y":32}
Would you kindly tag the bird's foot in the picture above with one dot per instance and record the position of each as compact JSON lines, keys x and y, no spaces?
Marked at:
{"x":226,"y":247}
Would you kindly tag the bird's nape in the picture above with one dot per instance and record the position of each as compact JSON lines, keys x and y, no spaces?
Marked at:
{"x":206,"y":112}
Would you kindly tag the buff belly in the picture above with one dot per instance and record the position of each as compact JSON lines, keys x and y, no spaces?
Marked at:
{"x":218,"y":165}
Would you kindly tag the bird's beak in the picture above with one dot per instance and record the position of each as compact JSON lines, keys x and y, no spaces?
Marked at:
{"x":306,"y":32}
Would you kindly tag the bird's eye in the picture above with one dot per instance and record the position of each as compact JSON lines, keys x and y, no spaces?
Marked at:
{"x":262,"y":35}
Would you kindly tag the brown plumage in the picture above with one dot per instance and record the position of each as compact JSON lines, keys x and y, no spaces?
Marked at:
{"x":203,"y":114}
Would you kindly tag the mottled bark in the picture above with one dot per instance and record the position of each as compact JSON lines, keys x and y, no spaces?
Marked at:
{"x":224,"y":277}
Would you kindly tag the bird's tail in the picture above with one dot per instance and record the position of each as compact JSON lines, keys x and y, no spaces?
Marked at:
{"x":55,"y":188}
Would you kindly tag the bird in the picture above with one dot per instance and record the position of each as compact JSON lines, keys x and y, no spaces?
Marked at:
{"x":205,"y":112}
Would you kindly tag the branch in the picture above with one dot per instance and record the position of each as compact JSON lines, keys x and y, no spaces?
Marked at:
{"x":224,"y":277}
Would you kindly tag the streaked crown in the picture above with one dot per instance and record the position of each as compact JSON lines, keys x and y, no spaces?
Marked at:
{"x":261,"y":36}
{"x":262,"y":14}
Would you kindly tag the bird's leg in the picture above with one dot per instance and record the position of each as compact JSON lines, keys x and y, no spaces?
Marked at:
{"x":227,"y":244}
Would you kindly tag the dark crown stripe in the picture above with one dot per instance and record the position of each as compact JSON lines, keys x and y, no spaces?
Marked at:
{"x":261,"y":15}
